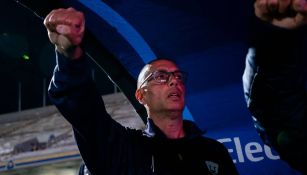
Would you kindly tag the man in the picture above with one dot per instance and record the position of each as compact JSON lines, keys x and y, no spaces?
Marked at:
{"x":168,"y":146}
{"x":274,"y":79}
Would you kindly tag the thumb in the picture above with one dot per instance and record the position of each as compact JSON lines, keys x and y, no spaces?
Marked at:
{"x":63,"y":42}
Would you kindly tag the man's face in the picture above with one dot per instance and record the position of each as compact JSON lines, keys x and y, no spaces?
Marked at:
{"x":163,"y":96}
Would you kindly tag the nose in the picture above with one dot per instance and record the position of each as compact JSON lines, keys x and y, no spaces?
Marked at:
{"x":172,"y":80}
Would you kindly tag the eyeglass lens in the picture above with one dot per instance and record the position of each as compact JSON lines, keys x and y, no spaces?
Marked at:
{"x":163,"y":76}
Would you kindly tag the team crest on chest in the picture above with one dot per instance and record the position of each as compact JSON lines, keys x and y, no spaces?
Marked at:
{"x":212,"y":167}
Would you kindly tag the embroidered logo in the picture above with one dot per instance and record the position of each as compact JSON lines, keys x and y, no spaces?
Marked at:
{"x":212,"y":167}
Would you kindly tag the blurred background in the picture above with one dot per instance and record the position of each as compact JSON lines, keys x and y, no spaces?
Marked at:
{"x":34,"y":138}
{"x":208,"y":39}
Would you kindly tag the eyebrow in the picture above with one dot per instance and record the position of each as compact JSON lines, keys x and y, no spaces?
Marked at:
{"x":165,"y":69}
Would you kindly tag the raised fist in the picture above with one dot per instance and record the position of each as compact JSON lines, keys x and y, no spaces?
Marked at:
{"x":66,"y":29}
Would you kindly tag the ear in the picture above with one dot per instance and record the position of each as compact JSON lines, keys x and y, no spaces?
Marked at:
{"x":139,"y":95}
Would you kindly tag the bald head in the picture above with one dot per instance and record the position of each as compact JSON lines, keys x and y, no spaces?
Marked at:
{"x":150,"y":67}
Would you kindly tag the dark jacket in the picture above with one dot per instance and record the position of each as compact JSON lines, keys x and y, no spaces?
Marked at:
{"x":111,"y":149}
{"x":274,"y":85}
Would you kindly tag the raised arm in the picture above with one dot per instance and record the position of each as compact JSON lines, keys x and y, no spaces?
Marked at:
{"x":73,"y":91}
{"x":273,"y":80}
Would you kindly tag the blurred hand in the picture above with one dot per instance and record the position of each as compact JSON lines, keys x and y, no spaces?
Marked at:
{"x":66,"y":29}
{"x":287,"y":14}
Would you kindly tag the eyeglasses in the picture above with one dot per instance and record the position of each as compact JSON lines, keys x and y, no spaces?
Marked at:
{"x":161,"y":76}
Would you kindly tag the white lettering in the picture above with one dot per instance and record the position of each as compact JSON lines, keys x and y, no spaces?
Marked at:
{"x":249,"y":151}
{"x":224,"y":140}
{"x":252,"y":151}
{"x":268,"y":152}
{"x":239,"y":149}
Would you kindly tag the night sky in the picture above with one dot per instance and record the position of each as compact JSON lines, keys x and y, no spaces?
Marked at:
{"x":24,"y":81}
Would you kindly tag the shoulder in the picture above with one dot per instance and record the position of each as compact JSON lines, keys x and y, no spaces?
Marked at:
{"x":211,"y":144}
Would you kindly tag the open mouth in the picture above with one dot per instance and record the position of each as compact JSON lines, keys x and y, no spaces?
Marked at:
{"x":174,"y":95}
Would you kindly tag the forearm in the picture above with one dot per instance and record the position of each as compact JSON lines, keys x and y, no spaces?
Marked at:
{"x":73,"y":92}
{"x":274,"y":84}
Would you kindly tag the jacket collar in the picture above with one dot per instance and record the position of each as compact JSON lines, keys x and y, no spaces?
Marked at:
{"x":189,"y":127}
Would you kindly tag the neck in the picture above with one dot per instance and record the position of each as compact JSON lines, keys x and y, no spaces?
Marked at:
{"x":170,"y":123}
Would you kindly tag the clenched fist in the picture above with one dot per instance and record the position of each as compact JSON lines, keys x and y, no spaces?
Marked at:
{"x":65,"y":30}
{"x":287,"y":14}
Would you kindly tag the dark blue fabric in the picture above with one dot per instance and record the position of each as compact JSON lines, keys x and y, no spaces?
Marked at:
{"x":274,"y":88}
{"x":109,"y":148}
